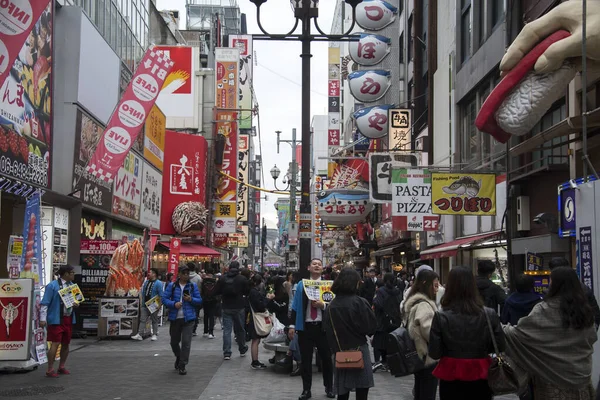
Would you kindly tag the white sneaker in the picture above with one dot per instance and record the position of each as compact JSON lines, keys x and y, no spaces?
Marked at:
{"x":211,"y":336}
{"x":154,"y":338}
{"x":137,"y":337}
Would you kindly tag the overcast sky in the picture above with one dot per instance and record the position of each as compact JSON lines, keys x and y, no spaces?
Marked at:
{"x":277,"y":83}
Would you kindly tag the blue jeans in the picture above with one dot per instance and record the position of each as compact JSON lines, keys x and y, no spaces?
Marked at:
{"x":235,"y":319}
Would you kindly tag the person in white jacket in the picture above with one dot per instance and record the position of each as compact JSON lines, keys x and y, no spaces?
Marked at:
{"x":419,"y":310}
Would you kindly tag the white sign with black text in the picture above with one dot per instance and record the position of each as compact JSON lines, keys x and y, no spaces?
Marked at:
{"x":151,"y":196}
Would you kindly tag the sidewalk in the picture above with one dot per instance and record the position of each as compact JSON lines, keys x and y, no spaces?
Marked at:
{"x":131,"y":370}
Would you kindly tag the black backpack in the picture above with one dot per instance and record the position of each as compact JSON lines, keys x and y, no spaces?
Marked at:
{"x":208,"y":290}
{"x":229,"y":286}
{"x":391,"y":309}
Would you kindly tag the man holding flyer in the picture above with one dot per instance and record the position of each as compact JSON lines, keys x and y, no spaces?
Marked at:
{"x":59,"y":319}
{"x":152,"y":291}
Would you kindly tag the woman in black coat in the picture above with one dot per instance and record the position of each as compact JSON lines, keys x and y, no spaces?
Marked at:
{"x":258,"y":303}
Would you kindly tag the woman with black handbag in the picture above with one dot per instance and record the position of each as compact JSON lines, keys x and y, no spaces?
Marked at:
{"x":461,"y":340}
{"x":347,"y":322}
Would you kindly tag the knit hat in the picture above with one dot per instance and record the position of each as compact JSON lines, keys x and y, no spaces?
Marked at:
{"x":423,"y":267}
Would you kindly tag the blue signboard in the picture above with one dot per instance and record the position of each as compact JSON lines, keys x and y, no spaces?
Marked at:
{"x":586,"y":256}
{"x":566,"y":209}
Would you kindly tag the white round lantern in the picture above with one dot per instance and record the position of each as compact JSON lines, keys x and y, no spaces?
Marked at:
{"x":375,"y":15}
{"x":370,"y":49}
{"x":342,"y":207}
{"x":372,"y":122}
{"x":369,"y":86}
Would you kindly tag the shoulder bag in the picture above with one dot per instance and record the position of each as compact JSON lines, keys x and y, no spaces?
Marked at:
{"x":263,"y":322}
{"x":349,"y":359}
{"x":502,"y":378}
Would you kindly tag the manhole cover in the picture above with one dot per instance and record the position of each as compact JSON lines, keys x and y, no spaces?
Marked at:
{"x":30,"y":391}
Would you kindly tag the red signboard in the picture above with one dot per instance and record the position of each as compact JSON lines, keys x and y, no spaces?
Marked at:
{"x":334,"y":87}
{"x":181,"y":74}
{"x":98,"y":246}
{"x":184,"y":174}
{"x":226,"y":126}
{"x":130,"y":115}
{"x":174,"y":250}
{"x":333,"y":137}
{"x":220,"y":239}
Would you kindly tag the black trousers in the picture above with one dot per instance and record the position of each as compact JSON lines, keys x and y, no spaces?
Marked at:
{"x":209,"y":317}
{"x":313,"y":336}
{"x":461,"y":390}
{"x":425,"y":384}
{"x":361,"y":394}
{"x":197,"y":318}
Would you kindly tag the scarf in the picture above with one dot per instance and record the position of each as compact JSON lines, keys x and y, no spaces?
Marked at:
{"x":542,"y":347}
{"x":148,"y":289}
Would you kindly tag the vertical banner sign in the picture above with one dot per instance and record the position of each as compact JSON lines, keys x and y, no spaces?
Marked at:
{"x":128,"y":188}
{"x":411,"y":201}
{"x":13,"y":258}
{"x":399,"y":137}
{"x":126,"y":122}
{"x":463,"y":194}
{"x":227,"y":62}
{"x":151,"y":197}
{"x":184,"y":175}
{"x":176,"y":98}
{"x":31,"y":259}
{"x":242,"y":196}
{"x":154,"y":137}
{"x":586,"y":256}
{"x":16,"y":297}
{"x":174,"y":250}
{"x":153,"y":241}
{"x":566,"y":209}
{"x":47,"y":239}
{"x":26,"y":90}
{"x":244,"y":44}
{"x":333,"y":91}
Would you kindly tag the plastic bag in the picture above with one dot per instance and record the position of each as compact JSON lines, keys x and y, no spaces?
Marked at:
{"x":277,"y":334}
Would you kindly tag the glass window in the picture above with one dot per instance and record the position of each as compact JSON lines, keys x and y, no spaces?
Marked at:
{"x":99,"y":20}
{"x":497,"y":7}
{"x":466,"y":31}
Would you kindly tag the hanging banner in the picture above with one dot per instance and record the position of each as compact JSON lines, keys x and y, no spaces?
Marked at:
{"x":129,"y":116}
{"x":463,"y":194}
{"x":26,"y":90}
{"x":242,"y":191}
{"x":174,"y":250}
{"x":16,"y":297}
{"x":127,"y":188}
{"x":154,"y":137}
{"x":586,"y":256}
{"x":151,"y":197}
{"x":176,"y":98}
{"x":31,"y":259}
{"x":244,"y":44}
{"x":152,"y":244}
{"x":13,"y":258}
{"x":411,"y":201}
{"x":184,"y":175}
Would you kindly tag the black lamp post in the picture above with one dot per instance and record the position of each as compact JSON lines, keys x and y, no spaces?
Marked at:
{"x":304,"y":12}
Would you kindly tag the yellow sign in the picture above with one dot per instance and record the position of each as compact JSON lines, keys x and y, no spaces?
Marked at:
{"x":154,"y":139}
{"x":463,"y":194}
{"x":318,"y":290}
{"x":225,"y":209}
{"x":71,"y":295}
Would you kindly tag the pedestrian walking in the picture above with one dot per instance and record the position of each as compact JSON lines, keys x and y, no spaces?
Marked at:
{"x":181,"y":298}
{"x":348,"y":321}
{"x":555,"y":342}
{"x":386,"y":305}
{"x":308,"y":317}
{"x":197,"y":279}
{"x":209,"y":302}
{"x":58,"y":319}
{"x":419,"y":310}
{"x":520,"y":303}
{"x":232,"y":287}
{"x":151,"y":288}
{"x":493,"y":295}
{"x":461,"y":340}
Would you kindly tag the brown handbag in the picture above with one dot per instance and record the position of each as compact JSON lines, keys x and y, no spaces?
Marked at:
{"x":349,"y":359}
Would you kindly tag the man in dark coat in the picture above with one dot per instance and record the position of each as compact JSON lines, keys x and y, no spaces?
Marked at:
{"x":493,"y":295}
{"x":369,"y":286}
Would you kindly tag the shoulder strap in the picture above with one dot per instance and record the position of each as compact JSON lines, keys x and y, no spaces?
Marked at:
{"x":334,"y":331}
{"x":489,"y":324}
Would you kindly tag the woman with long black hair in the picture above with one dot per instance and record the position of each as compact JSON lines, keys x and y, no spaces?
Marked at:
{"x":461,"y":340}
{"x":554,"y":343}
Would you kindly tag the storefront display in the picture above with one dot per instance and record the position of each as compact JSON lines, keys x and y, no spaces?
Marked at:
{"x":117,"y":316}
{"x":16,"y":297}
{"x":125,"y":274}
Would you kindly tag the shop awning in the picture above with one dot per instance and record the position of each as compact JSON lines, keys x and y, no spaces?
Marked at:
{"x":451,"y":248}
{"x":194,"y":249}
{"x":389,"y":250}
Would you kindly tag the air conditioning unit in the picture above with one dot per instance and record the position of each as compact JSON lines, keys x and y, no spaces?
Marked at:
{"x":523,"y":217}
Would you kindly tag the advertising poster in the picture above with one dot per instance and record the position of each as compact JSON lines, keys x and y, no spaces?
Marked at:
{"x":151,"y":197}
{"x":31,"y":258}
{"x":411,"y":200}
{"x":244,"y":44}
{"x":184,"y":174}
{"x":91,"y":190}
{"x":47,"y":237}
{"x":129,"y":116}
{"x":26,"y":93}
{"x":13,"y":258}
{"x":15,"y":315}
{"x":127,"y":192}
{"x":283,"y":217}
{"x":39,"y":342}
{"x":60,"y":238}
{"x":333,"y":91}
{"x":318,"y":290}
{"x":176,"y":98}
{"x":71,"y":295}
{"x":243,"y":166}
{"x":534,"y":262}
{"x":154,"y":137}
{"x":93,"y":227}
{"x":463,"y":194}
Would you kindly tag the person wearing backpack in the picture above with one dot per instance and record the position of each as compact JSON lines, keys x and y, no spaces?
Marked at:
{"x":233,"y":287}
{"x":386,"y":305}
{"x":419,"y":310}
{"x":209,"y":301}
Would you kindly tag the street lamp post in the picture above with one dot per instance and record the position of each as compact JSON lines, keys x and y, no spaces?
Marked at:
{"x":304,"y":12}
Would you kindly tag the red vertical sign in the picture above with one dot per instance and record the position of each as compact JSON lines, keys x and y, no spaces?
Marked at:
{"x":174,"y":249}
{"x":130,"y":115}
{"x":153,"y":240}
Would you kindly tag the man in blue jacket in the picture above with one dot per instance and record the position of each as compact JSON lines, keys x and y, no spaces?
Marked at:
{"x":152,"y":287}
{"x":59,"y":320}
{"x":181,"y":298}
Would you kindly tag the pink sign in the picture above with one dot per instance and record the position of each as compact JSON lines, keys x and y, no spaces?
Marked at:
{"x":89,"y":246}
{"x":17,"y":18}
{"x":128,"y":118}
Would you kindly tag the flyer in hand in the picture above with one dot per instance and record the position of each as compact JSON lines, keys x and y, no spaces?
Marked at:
{"x":318,"y":290}
{"x":153,"y":304}
{"x":71,"y":295}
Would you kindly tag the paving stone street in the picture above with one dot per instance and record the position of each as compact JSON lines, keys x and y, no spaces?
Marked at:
{"x":130,"y":370}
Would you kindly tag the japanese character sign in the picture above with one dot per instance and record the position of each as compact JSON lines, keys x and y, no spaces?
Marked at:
{"x":369,"y":86}
{"x":370,"y":49}
{"x":375,"y":15}
{"x":372,"y":122}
